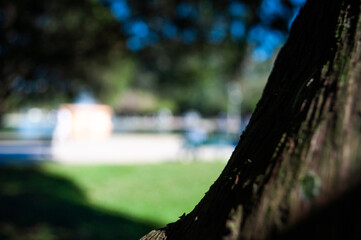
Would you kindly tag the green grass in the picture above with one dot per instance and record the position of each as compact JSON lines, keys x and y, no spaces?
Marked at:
{"x":158,"y":193}
{"x":98,"y":202}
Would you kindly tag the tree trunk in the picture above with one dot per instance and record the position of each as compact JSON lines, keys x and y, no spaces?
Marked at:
{"x":295,"y":172}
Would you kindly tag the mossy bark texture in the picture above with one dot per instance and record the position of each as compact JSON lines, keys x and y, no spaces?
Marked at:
{"x":296,"y":170}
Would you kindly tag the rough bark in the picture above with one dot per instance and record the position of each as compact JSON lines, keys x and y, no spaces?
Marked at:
{"x":296,"y":169}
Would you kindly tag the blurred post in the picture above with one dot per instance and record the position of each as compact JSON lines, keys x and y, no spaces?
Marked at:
{"x":234,"y":107}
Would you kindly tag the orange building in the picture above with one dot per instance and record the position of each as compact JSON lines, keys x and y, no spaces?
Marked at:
{"x":83,"y":121}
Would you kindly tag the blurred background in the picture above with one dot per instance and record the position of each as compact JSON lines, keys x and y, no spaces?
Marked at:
{"x":116,"y":116}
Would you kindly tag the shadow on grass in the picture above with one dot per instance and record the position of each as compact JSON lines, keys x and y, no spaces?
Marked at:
{"x":35,"y":205}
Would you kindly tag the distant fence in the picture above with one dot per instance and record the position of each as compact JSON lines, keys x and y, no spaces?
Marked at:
{"x":174,"y":124}
{"x":33,"y":122}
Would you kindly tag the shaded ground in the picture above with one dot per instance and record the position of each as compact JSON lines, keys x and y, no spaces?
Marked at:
{"x":35,"y":205}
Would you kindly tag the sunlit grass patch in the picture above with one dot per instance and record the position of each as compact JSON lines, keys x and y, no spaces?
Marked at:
{"x":158,"y":193}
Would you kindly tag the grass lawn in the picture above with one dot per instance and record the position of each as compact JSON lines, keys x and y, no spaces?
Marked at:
{"x":98,"y":202}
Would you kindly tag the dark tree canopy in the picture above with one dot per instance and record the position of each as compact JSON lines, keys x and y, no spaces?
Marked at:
{"x":48,"y":47}
{"x":52,"y":48}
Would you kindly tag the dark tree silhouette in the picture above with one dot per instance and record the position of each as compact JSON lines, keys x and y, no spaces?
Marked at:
{"x":51,"y":47}
{"x":296,"y":170}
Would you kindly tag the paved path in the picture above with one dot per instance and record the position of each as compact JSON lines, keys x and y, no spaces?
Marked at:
{"x":118,"y":149}
{"x":24,"y":151}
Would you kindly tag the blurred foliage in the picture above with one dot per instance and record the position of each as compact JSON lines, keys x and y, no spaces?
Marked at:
{"x":181,"y":52}
{"x":50,"y":48}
